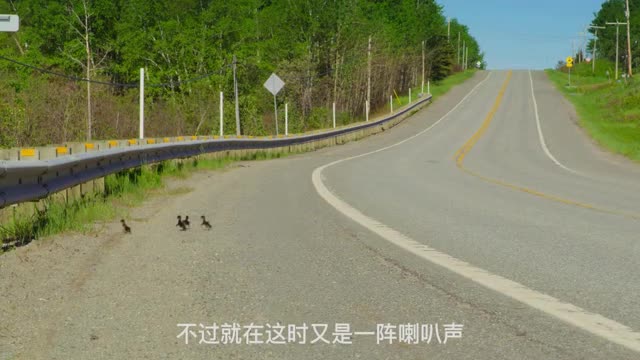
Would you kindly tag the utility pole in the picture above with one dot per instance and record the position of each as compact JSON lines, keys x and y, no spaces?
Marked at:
{"x":448,"y":30}
{"x":466,"y":66}
{"x":458,"y":48}
{"x":423,"y":66}
{"x":464,"y":46}
{"x":628,"y":13}
{"x":617,"y":24}
{"x":466,"y":57}
{"x":595,"y":46}
{"x":368,"y":79}
{"x":235,"y":91}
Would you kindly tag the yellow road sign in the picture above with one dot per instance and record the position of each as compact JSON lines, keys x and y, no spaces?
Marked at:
{"x":569,"y":61}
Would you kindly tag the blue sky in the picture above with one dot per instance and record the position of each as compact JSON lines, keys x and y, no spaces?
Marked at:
{"x":523,"y":34}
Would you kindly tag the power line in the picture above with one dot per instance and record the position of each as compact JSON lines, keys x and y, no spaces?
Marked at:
{"x":124,"y":85}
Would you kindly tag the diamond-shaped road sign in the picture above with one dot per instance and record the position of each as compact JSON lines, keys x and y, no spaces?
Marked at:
{"x":274,"y":84}
{"x":9,"y":23}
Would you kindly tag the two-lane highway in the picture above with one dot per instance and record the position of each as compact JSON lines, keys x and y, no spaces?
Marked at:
{"x":537,"y":258}
{"x":511,"y":208}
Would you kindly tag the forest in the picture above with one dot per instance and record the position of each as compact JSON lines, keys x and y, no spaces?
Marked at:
{"x":71,"y":72}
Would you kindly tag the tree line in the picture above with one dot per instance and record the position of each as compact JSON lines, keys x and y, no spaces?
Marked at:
{"x":319,"y":48}
{"x":613,"y":11}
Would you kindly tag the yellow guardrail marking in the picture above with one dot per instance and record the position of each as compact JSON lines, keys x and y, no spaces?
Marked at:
{"x":132,"y":141}
{"x":89,"y":146}
{"x":61,"y":150}
{"x":151,"y":141}
{"x":112,"y":143}
{"x":27,"y":152}
{"x":166,"y":140}
{"x":468,"y":146}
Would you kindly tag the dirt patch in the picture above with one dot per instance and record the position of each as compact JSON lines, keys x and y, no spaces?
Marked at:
{"x":41,"y":281}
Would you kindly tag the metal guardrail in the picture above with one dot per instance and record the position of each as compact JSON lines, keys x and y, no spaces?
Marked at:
{"x":32,"y":180}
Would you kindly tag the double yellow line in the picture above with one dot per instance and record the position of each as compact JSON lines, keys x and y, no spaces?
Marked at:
{"x":464,"y":150}
{"x":468,"y":146}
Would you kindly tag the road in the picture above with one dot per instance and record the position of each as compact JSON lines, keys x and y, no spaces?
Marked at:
{"x":475,"y":211}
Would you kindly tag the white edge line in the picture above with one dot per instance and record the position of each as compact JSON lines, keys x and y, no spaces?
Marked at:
{"x":593,"y":323}
{"x":543,"y":143}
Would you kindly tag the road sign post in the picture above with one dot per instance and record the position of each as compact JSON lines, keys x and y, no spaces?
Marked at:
{"x":274,"y":84}
{"x":569,"y":66}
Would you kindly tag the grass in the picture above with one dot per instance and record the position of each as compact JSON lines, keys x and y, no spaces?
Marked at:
{"x":609,"y":111}
{"x":128,"y":188}
{"x":437,"y":89}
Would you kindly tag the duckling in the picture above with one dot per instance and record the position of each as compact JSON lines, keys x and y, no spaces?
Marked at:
{"x":125,"y":227}
{"x":181,"y":224}
{"x":186,"y":221}
{"x":205,"y":223}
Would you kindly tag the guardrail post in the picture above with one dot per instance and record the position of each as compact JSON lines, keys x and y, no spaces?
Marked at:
{"x":76,"y":192}
{"x":141,"y":103}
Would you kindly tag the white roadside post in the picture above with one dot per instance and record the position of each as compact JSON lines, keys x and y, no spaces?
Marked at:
{"x":409,"y":95}
{"x":235,"y":95}
{"x":221,"y":114}
{"x":141,"y":103}
{"x":334,"y":115}
{"x":366,"y":110}
{"x":274,"y":84}
{"x":286,"y":119}
{"x":429,"y":87}
{"x":391,"y":103}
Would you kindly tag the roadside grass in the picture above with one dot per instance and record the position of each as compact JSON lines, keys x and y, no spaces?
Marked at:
{"x":609,"y":111}
{"x":438,"y":89}
{"x":129,"y":188}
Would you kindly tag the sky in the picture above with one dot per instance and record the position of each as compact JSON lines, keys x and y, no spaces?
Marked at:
{"x":524,"y":34}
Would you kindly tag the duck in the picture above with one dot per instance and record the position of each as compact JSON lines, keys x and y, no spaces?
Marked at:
{"x":125,"y":227}
{"x":186,"y":221}
{"x":181,"y":224}
{"x":205,"y":223}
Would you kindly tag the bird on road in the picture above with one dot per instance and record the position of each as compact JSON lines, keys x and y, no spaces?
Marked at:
{"x":125,"y":227}
{"x":205,"y":223}
{"x":186,"y":221}
{"x":181,"y":224}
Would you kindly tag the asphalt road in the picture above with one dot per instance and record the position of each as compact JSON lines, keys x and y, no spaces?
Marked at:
{"x":559,"y":220}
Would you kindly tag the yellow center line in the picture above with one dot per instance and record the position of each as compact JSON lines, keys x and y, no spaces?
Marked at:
{"x":468,"y":146}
